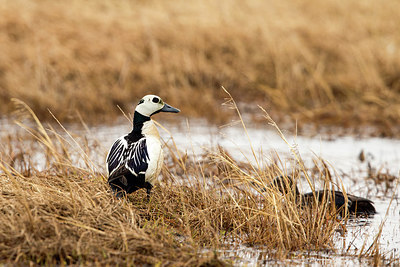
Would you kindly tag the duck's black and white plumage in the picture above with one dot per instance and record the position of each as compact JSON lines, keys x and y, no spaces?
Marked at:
{"x":135,"y":159}
{"x":355,"y":205}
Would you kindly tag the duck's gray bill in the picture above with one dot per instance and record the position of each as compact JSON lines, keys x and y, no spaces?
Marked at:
{"x":168,"y":108}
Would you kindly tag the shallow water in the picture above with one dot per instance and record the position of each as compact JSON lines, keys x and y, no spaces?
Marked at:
{"x":342,"y":154}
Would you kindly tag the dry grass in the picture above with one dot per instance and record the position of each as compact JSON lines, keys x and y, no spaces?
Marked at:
{"x":65,"y":213}
{"x":324,"y":62}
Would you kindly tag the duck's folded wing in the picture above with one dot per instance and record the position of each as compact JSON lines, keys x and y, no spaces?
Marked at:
{"x":340,"y":200}
{"x":138,"y":157}
{"x":133,"y":157}
{"x":115,"y":157}
{"x":362,"y":205}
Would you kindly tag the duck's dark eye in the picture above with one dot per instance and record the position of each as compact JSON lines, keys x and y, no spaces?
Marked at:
{"x":141,"y":101}
{"x":156,"y":100}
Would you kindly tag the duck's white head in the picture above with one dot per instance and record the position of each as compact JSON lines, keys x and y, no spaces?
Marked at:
{"x":152,"y":104}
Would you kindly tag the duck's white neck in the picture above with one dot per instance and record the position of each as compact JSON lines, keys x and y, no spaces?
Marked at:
{"x":150,"y":129}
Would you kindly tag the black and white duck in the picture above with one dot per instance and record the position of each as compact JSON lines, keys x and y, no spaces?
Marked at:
{"x":135,"y":159}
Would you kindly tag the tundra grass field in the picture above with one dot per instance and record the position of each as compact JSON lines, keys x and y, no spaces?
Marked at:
{"x":319,"y":62}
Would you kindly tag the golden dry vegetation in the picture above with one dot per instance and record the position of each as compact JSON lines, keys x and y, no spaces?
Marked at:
{"x":56,"y":207}
{"x":322,"y":62}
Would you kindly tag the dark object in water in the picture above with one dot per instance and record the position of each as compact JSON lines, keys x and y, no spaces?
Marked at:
{"x":355,"y":205}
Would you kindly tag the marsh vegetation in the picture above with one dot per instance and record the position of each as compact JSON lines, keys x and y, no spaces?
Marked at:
{"x":58,"y":209}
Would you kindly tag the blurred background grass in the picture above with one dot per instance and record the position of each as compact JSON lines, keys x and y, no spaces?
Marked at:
{"x":322,"y":62}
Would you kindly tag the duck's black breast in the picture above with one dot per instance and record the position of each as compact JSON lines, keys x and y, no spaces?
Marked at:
{"x":133,"y":137}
